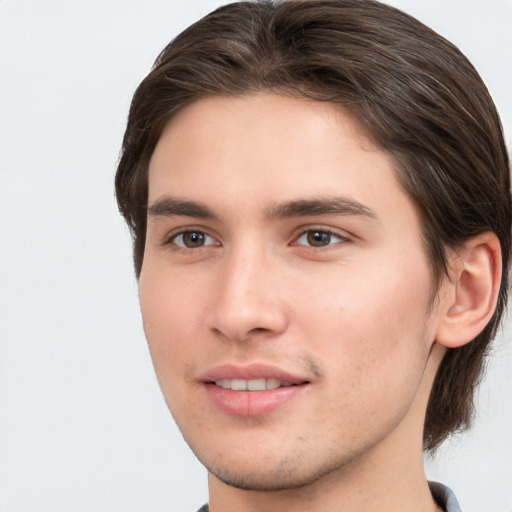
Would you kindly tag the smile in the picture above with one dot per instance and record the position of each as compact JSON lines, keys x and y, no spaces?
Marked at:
{"x":254,"y":389}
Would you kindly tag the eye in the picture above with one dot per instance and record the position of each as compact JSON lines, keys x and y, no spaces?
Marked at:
{"x":192,"y":239}
{"x":319,"y":238}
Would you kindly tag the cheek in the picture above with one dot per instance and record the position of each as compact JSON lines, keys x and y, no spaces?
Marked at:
{"x":168,"y":324}
{"x":371,"y":328}
{"x":366,"y":301}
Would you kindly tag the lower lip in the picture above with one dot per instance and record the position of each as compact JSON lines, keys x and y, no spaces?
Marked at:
{"x":252,"y":403}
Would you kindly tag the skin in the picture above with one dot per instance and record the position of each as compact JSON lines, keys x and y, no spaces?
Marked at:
{"x":351,"y":317}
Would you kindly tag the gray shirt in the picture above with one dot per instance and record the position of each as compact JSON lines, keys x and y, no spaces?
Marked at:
{"x":444,"y":497}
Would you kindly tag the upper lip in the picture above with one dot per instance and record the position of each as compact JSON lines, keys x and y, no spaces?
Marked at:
{"x":250,"y":372}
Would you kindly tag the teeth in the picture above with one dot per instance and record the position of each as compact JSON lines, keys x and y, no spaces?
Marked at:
{"x":239,"y":385}
{"x":256,"y":385}
{"x":251,"y":385}
{"x":273,"y":383}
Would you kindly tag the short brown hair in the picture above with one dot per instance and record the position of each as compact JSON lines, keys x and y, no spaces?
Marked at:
{"x":414,"y":92}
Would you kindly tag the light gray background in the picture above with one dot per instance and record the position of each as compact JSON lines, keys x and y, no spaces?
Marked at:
{"x":83,"y":426}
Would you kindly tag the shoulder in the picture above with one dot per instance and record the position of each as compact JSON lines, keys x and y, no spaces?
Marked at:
{"x":443,"y":495}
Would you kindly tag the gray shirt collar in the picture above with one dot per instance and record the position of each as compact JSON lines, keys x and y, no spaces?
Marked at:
{"x":444,"y":497}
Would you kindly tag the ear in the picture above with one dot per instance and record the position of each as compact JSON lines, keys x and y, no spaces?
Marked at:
{"x":469,"y":294}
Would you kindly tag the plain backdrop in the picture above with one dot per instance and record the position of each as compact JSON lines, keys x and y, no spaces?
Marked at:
{"x":83,"y":426}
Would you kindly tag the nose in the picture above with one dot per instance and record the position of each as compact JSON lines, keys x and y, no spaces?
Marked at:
{"x":249,"y":297}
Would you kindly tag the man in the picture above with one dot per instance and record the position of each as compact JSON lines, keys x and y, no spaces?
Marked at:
{"x":319,"y":197}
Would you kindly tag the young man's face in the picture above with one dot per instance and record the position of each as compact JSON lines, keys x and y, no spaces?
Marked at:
{"x":281,"y":253}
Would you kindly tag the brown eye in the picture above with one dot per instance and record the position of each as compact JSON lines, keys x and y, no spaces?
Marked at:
{"x":192,"y":239}
{"x":319,"y":238}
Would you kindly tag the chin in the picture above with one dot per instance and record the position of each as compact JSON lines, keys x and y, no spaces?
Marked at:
{"x":268,"y":481}
{"x":289,"y":473}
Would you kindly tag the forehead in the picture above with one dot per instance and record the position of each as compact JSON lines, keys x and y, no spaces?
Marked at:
{"x":251,"y":152}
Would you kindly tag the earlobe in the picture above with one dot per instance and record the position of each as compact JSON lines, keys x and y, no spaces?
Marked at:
{"x":470,"y":294}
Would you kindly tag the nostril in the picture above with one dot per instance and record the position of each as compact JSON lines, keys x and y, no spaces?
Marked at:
{"x":258,"y":330}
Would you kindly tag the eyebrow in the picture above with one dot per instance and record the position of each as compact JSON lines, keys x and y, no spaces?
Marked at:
{"x":169,"y":206}
{"x":313,"y":207}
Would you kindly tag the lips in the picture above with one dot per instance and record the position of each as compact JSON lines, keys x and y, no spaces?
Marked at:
{"x":254,"y":390}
